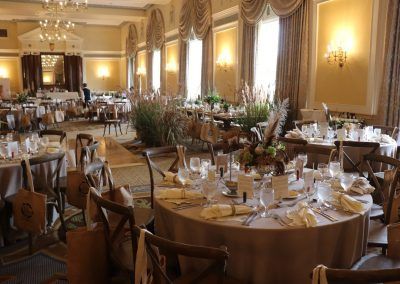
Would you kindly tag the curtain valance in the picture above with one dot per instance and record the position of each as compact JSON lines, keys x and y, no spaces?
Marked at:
{"x":132,"y":41}
{"x":252,"y":11}
{"x":195,"y":14}
{"x":155,"y":36}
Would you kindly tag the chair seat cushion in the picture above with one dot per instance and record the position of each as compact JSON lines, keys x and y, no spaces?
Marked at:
{"x":379,"y":262}
{"x":376,"y":212}
{"x":377,"y":234}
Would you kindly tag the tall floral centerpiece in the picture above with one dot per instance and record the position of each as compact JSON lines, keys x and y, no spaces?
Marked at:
{"x":269,"y":153}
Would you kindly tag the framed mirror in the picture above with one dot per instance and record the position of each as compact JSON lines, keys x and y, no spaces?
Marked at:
{"x":52,"y":69}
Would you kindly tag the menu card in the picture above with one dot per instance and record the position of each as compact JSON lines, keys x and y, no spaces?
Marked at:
{"x":12,"y":149}
{"x":245,"y":184}
{"x":222,"y":162}
{"x":280,"y":184}
{"x":308,"y":177}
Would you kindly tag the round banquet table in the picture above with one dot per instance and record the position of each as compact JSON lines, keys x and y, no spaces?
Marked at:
{"x":266,"y":252}
{"x":11,"y":175}
{"x":356,"y":154}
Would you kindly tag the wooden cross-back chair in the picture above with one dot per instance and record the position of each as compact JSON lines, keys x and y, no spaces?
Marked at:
{"x":328,"y":153}
{"x":291,"y":144}
{"x":214,"y":273}
{"x":4,"y":111}
{"x":53,"y":132}
{"x":392,"y":131}
{"x":31,"y":112}
{"x":49,"y":185}
{"x":82,"y":140}
{"x":151,"y":153}
{"x":299,"y":123}
{"x":88,"y":154}
{"x":372,"y":146}
{"x":375,"y":269}
{"x":121,"y":246}
{"x":378,"y":235}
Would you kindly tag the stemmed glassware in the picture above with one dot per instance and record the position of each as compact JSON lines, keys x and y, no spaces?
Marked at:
{"x":267,"y":196}
{"x":323,"y":170}
{"x":183,"y":175}
{"x":209,"y":191}
{"x":346,"y":181}
{"x":334,"y":168}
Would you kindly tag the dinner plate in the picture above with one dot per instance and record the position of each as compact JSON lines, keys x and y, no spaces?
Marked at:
{"x":227,"y":193}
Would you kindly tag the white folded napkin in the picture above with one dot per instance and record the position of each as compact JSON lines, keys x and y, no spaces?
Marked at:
{"x":178,"y":193}
{"x":295,"y":133}
{"x":347,"y":202}
{"x":361,"y":185}
{"x":302,"y":215}
{"x":223,"y":210}
{"x":387,"y":139}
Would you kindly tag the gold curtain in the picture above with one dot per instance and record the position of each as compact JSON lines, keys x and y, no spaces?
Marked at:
{"x":293,"y":54}
{"x":131,"y":52}
{"x":390,"y":91}
{"x":155,"y":39}
{"x":196,"y":15}
{"x":285,"y":8}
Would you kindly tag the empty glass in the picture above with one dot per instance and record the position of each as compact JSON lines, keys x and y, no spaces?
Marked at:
{"x":323,"y":192}
{"x":346,"y":181}
{"x":183,"y":175}
{"x":267,"y":197}
{"x":195,"y":165}
{"x":209,"y":191}
{"x":323,"y":169}
{"x":303,"y":157}
{"x":334,"y":168}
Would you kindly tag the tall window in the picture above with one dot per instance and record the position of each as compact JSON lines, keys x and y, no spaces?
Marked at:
{"x":193,"y":74}
{"x":267,"y":53}
{"x":131,"y":65}
{"x":156,"y":69}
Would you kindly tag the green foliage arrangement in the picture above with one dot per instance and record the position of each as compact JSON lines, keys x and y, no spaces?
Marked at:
{"x":158,"y":124}
{"x":22,"y":98}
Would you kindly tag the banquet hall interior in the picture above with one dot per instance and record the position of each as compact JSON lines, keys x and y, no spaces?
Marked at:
{"x":199,"y":141}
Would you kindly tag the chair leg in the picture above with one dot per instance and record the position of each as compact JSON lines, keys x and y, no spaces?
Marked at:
{"x":120,"y":130}
{"x":30,"y":243}
{"x":109,"y":129}
{"x":104,"y":132}
{"x":115,"y":128}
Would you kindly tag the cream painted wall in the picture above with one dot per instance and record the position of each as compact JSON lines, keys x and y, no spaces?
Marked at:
{"x":11,"y":41}
{"x":172,"y":64}
{"x":94,"y":69}
{"x":348,"y":21}
{"x":225,"y":79}
{"x":10,"y":68}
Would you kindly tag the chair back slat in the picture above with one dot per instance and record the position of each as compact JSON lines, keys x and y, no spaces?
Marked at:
{"x":372,"y":146}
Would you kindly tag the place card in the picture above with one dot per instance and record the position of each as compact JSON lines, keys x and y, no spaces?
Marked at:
{"x":245,"y":184}
{"x":12,"y":149}
{"x":341,"y":134}
{"x":222,"y":162}
{"x":308,"y":177}
{"x":280,"y":184}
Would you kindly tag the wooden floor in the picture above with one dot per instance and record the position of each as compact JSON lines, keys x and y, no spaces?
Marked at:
{"x":113,"y":152}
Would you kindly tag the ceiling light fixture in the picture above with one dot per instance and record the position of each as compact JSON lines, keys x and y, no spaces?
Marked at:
{"x":66,"y":5}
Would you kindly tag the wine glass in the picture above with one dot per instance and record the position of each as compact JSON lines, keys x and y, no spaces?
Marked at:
{"x":346,"y":181}
{"x":205,"y":165}
{"x":266,"y":198}
{"x":183,"y":175}
{"x":323,"y":192}
{"x":334,"y":168}
{"x":209,"y":191}
{"x":195,"y":165}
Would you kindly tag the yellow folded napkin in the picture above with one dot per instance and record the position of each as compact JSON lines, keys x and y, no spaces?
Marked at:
{"x":224,"y":210}
{"x":347,"y":202}
{"x":173,"y":178}
{"x":361,"y":185}
{"x":178,"y":193}
{"x":302,"y":215}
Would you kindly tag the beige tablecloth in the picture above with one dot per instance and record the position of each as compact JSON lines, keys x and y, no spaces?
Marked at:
{"x":266,"y":252}
{"x":11,"y":176}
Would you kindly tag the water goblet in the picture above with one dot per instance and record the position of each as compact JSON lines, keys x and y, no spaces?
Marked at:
{"x":323,"y":169}
{"x":209,"y":191}
{"x":346,"y":181}
{"x":195,"y":165}
{"x":266,"y":198}
{"x":183,"y":175}
{"x":334,"y":168}
{"x":303,"y":157}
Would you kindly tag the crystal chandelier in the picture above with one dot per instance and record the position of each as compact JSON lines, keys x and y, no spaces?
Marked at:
{"x":64,"y":5}
{"x":55,"y":29}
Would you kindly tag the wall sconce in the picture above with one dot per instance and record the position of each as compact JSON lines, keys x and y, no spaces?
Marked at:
{"x":141,"y":71}
{"x":224,"y":62}
{"x":104,"y":72}
{"x":3,"y":72}
{"x":171,"y":67}
{"x":336,"y":55}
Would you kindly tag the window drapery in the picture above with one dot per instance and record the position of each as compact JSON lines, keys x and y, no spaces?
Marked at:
{"x":292,"y":68}
{"x":73,"y":72}
{"x":195,"y":15}
{"x":390,"y":93}
{"x":31,"y":72}
{"x":155,"y":39}
{"x":131,"y":52}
